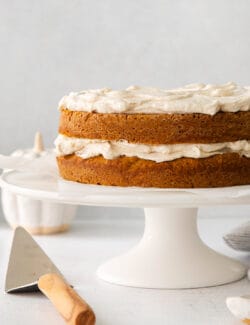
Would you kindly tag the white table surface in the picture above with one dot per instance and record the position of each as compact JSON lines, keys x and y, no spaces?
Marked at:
{"x":91,"y":242}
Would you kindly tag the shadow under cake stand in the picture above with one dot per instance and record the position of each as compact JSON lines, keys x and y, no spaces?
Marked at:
{"x":170,"y":254}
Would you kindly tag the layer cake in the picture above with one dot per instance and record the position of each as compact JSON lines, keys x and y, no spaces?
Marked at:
{"x":194,"y":136}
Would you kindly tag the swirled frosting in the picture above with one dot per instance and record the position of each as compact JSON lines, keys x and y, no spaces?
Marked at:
{"x":87,"y":148}
{"x":194,"y":98}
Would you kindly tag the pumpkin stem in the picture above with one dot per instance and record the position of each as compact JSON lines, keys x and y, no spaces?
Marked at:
{"x":38,"y":143}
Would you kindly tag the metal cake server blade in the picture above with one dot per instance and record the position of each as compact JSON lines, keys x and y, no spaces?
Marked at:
{"x":27,"y":263}
{"x":30,"y":269}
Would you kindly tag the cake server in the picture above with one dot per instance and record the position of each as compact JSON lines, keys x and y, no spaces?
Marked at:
{"x":30,"y":269}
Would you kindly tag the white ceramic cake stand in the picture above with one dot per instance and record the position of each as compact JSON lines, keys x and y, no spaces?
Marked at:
{"x":170,"y":253}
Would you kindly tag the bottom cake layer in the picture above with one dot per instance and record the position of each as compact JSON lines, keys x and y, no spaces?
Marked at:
{"x":217,"y":171}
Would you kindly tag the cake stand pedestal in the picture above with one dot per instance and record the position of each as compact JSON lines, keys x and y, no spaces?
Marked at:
{"x":170,"y":254}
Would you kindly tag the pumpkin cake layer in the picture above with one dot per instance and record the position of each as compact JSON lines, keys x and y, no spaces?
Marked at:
{"x":217,"y":171}
{"x":157,"y":128}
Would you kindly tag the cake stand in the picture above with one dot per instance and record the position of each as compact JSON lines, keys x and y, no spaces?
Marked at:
{"x":170,"y":253}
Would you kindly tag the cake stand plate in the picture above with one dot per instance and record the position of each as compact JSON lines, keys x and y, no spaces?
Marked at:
{"x":170,"y":253}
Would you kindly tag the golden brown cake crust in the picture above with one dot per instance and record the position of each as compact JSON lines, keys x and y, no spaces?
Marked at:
{"x":216,"y":171}
{"x":157,"y":128}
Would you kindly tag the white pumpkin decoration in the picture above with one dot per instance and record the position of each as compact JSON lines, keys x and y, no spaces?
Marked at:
{"x":36,"y":216}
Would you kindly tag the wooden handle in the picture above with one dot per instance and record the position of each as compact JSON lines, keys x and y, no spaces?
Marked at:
{"x":70,"y":305}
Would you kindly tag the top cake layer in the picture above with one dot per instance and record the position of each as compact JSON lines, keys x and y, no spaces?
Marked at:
{"x":195,"y":98}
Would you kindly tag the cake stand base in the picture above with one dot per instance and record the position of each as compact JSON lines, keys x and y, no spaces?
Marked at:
{"x":171,"y":255}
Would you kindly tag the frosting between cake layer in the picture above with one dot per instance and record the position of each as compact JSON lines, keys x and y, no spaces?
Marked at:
{"x":194,"y":98}
{"x":87,"y":148}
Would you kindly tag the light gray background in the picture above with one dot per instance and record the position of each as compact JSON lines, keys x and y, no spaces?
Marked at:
{"x":51,"y":47}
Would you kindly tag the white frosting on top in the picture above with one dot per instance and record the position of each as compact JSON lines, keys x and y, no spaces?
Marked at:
{"x":194,"y":98}
{"x":87,"y":148}
{"x":239,"y":306}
